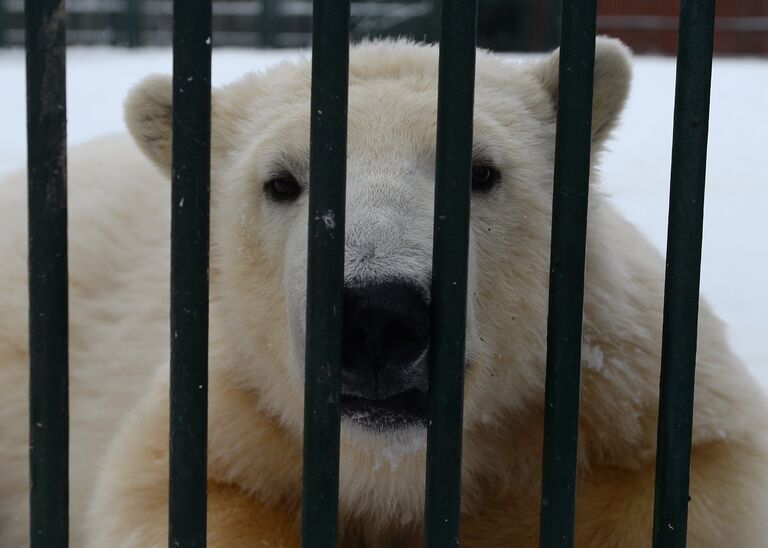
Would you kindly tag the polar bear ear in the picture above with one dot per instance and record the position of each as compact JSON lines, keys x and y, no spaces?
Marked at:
{"x":149,"y":111}
{"x":613,"y":74}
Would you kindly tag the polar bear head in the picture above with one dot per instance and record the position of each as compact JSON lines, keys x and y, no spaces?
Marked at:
{"x":260,"y":183}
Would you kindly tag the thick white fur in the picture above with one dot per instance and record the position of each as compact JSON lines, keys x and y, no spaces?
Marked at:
{"x":119,"y":305}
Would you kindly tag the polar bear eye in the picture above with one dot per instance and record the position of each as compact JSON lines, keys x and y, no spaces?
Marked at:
{"x":484,"y":177}
{"x":283,"y":187}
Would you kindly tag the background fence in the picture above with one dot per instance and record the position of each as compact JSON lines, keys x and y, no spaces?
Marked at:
{"x":503,"y":24}
{"x":651,"y":26}
{"x":508,"y":25}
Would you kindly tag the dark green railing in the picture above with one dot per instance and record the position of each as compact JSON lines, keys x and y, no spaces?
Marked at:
{"x":133,"y":15}
{"x":681,"y":292}
{"x":453,"y":168}
{"x":189,"y":272}
{"x":190,"y":204}
{"x":3,"y":23}
{"x":325,"y":271}
{"x":566,"y":280}
{"x":48,"y":292}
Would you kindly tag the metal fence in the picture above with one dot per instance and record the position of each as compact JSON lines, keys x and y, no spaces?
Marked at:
{"x":260,"y":23}
{"x":189,"y":272}
{"x":263,"y":23}
{"x":519,"y":25}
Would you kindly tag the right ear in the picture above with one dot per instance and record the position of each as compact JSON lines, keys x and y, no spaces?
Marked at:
{"x":149,"y":113}
{"x":613,"y":73}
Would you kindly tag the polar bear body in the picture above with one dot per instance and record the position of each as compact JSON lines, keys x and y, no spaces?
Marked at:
{"x":119,"y":269}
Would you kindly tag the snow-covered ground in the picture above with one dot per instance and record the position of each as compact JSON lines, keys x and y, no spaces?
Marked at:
{"x":635,"y":170}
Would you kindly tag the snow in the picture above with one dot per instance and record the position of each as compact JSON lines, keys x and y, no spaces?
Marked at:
{"x":635,"y":169}
{"x":409,"y":443}
{"x":735,"y":250}
{"x":592,"y":357}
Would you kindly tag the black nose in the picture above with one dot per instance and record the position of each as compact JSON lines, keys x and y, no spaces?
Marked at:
{"x":386,"y":336}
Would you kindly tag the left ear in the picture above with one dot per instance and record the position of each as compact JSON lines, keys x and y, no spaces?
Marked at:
{"x":149,"y":108}
{"x":613,"y":74}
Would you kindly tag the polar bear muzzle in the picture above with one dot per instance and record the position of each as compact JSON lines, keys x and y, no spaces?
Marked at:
{"x":384,"y":368}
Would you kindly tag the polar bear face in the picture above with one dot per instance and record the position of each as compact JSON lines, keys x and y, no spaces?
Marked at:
{"x":260,"y":211}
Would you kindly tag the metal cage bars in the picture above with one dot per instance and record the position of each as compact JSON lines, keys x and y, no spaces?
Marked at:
{"x":453,"y":168}
{"x":566,"y":280}
{"x":190,"y":219}
{"x":681,"y":291}
{"x":46,"y":113}
{"x":325,"y":271}
{"x":48,"y":273}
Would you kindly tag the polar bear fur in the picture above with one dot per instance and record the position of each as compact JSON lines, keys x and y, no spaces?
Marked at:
{"x":119,"y":269}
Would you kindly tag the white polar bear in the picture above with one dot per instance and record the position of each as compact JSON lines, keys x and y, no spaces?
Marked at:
{"x":119,"y":324}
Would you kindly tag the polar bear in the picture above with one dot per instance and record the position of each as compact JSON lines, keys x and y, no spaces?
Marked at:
{"x":119,"y":266}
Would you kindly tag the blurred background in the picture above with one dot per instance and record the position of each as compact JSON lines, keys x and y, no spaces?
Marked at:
{"x":116,"y":43}
{"x":648,"y":26}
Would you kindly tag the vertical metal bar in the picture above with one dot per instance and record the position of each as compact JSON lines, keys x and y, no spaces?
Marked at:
{"x":433,"y":22}
{"x":269,"y":23}
{"x":566,"y":281}
{"x":453,"y":170}
{"x":3,"y":22}
{"x":554,"y":10}
{"x":325,"y":271}
{"x":133,"y":17}
{"x":681,"y":294}
{"x":48,"y":276}
{"x":189,"y":271}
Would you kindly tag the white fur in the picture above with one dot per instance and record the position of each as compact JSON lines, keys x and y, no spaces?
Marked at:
{"x":119,"y":275}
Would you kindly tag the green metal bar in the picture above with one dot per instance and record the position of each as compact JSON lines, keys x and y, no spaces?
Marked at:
{"x":48,"y":297}
{"x":566,"y":281}
{"x":681,"y":294}
{"x":133,"y":17}
{"x":453,"y":168}
{"x":269,"y":23}
{"x":554,"y":10}
{"x":3,"y":22}
{"x":325,"y":271}
{"x":190,"y":194}
{"x":432,"y":25}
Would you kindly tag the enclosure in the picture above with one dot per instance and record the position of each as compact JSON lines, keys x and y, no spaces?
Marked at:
{"x":189,"y":284}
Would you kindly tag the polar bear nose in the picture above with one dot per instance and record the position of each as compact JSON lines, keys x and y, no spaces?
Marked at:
{"x":386,"y":336}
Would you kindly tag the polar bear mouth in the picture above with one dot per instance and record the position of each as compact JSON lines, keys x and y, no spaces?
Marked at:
{"x":409,"y":408}
{"x":384,"y":373}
